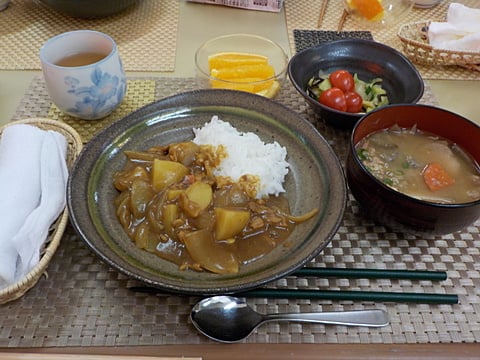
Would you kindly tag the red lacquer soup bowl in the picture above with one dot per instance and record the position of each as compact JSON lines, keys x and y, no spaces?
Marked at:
{"x":397,"y":210}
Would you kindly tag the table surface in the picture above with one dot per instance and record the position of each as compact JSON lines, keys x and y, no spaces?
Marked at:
{"x":198,"y":23}
{"x":457,"y":96}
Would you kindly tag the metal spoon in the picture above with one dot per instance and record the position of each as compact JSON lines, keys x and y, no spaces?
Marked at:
{"x":230,"y":319}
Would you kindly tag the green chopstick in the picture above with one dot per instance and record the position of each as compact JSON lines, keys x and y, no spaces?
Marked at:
{"x":374,"y":296}
{"x":357,"y":273}
{"x":371,"y":296}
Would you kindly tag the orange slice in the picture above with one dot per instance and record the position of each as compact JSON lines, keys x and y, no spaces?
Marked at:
{"x":240,"y":72}
{"x":370,"y":9}
{"x":270,"y":92}
{"x":229,"y":59}
{"x":254,"y":85}
{"x":244,"y":72}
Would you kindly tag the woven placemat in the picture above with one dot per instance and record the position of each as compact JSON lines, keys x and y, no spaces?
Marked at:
{"x":304,"y":39}
{"x":304,"y":15}
{"x":83,"y":302}
{"x":146,"y":34}
{"x":139,"y":93}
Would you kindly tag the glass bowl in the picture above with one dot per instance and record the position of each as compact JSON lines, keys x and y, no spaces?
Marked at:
{"x":378,"y":13}
{"x":268,"y":86}
{"x":426,"y":4}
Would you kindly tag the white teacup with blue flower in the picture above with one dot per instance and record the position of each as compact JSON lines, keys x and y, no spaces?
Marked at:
{"x":83,"y":73}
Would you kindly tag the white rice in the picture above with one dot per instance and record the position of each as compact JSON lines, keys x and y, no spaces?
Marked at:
{"x":247,"y":154}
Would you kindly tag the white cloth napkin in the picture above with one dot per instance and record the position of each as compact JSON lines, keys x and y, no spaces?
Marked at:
{"x":33,"y":178}
{"x":461,"y":31}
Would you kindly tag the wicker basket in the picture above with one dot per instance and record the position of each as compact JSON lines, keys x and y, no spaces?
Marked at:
{"x":74,"y":140}
{"x":414,"y":39}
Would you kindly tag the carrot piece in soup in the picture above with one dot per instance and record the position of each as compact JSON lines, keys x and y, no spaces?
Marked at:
{"x":436,"y":177}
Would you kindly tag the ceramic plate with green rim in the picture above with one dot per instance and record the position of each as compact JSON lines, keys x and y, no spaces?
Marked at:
{"x":315,"y":180}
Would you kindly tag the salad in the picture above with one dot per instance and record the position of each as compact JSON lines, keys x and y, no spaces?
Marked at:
{"x":343,"y":91}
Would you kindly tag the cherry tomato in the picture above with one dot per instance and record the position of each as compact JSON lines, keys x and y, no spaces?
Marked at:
{"x":354,"y":101}
{"x":343,"y":80}
{"x":334,"y":98}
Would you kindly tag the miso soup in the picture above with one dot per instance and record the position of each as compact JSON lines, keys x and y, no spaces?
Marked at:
{"x":421,"y":165}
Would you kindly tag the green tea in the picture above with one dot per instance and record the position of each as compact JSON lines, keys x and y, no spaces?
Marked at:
{"x":80,"y":59}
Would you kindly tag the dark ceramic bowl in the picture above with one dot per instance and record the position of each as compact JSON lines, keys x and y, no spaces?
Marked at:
{"x":393,"y":208}
{"x":89,"y":9}
{"x":315,"y":180}
{"x":369,"y":60}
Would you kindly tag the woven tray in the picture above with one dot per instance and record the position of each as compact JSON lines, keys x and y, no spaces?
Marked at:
{"x":303,"y":15}
{"x":84,"y":302}
{"x":57,"y":229}
{"x":146,"y":33}
{"x":414,"y":37}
